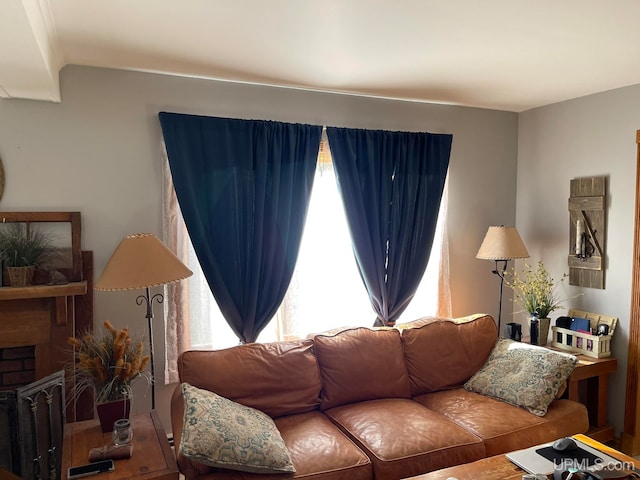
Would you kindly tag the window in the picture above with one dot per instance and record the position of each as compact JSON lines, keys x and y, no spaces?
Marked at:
{"x":326,"y":290}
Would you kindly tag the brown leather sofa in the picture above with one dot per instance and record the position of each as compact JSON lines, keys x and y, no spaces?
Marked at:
{"x":365,"y":403}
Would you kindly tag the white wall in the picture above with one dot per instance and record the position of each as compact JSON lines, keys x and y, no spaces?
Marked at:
{"x":98,"y":152}
{"x":589,"y":136}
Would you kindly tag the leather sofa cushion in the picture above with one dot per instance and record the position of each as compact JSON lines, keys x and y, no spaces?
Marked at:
{"x":403,"y":438}
{"x":504,"y":427}
{"x":278,"y":379}
{"x":444,"y":353}
{"x":361,"y":364}
{"x":318,"y":450}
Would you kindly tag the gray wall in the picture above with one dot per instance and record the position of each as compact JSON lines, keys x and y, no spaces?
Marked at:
{"x":99,"y":152}
{"x":589,"y":136}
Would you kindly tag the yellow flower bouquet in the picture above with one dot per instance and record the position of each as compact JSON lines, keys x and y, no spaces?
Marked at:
{"x":535,"y":290}
{"x":108,"y":362}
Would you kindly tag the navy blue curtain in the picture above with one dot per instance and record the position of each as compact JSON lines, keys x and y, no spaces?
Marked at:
{"x":243,"y":187}
{"x":391,"y":185}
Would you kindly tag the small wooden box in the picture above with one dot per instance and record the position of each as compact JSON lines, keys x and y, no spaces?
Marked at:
{"x":585,"y":343}
{"x":581,"y":343}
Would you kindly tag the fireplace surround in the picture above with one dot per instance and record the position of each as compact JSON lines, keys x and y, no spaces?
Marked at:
{"x":35,"y":324}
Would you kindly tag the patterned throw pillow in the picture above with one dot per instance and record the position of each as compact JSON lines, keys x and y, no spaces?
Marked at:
{"x":523,"y":375}
{"x":225,"y":434}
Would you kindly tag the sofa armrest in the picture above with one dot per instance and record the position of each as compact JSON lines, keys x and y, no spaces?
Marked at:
{"x":177,"y":419}
{"x":177,"y":415}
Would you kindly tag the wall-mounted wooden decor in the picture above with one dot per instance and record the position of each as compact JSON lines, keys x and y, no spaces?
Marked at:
{"x":587,"y":231}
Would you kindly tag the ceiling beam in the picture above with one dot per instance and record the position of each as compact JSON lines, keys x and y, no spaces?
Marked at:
{"x":30,"y":59}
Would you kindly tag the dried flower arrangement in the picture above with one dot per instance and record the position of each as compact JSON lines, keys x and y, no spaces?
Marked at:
{"x":108,"y":362}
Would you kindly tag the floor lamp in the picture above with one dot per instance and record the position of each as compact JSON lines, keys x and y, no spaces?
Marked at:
{"x":501,"y":244}
{"x":143,"y":261}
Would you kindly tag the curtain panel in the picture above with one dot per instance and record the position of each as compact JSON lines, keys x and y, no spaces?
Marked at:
{"x":391,"y":185}
{"x":243,"y":188}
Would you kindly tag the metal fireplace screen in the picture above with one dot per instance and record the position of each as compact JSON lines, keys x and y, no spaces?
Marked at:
{"x":32,"y":422}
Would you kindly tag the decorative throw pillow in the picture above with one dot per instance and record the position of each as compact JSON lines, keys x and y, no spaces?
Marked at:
{"x":523,"y":375}
{"x":225,"y":434}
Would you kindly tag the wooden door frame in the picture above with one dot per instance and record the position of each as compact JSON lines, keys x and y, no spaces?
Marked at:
{"x":630,"y":440}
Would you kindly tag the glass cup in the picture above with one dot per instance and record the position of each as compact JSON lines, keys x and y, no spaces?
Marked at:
{"x":122,"y":433}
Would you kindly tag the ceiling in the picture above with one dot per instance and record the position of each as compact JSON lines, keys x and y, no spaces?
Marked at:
{"x":501,"y":54}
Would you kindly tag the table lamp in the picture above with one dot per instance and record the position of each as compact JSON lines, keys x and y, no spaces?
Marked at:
{"x":501,"y":244}
{"x":142,"y":261}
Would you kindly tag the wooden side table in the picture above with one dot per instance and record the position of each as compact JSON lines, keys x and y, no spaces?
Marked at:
{"x":588,"y":384}
{"x":152,"y":457}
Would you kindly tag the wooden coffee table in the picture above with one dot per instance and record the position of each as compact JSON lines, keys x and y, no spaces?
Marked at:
{"x":492,"y":468}
{"x":500,"y":468}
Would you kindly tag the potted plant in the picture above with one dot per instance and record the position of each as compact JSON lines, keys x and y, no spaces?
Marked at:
{"x":22,"y":249}
{"x":535,"y":292}
{"x":108,"y":362}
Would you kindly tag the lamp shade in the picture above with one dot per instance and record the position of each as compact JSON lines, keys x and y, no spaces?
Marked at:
{"x":502,"y":243}
{"x":140,"y":261}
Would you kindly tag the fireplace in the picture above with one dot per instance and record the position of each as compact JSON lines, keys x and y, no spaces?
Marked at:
{"x":17,"y":367}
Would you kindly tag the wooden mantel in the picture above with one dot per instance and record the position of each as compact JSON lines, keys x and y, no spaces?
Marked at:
{"x":63,"y":295}
{"x":43,"y":291}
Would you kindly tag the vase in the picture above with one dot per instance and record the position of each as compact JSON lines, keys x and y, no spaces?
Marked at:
{"x":543,"y":330}
{"x":109,"y":412}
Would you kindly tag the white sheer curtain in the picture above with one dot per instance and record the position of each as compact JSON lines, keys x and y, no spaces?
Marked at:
{"x":326,"y":291}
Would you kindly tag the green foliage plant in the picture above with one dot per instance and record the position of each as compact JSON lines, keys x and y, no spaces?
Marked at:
{"x":21,"y":246}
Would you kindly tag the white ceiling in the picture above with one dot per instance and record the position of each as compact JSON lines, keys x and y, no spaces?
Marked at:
{"x":501,"y":54}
